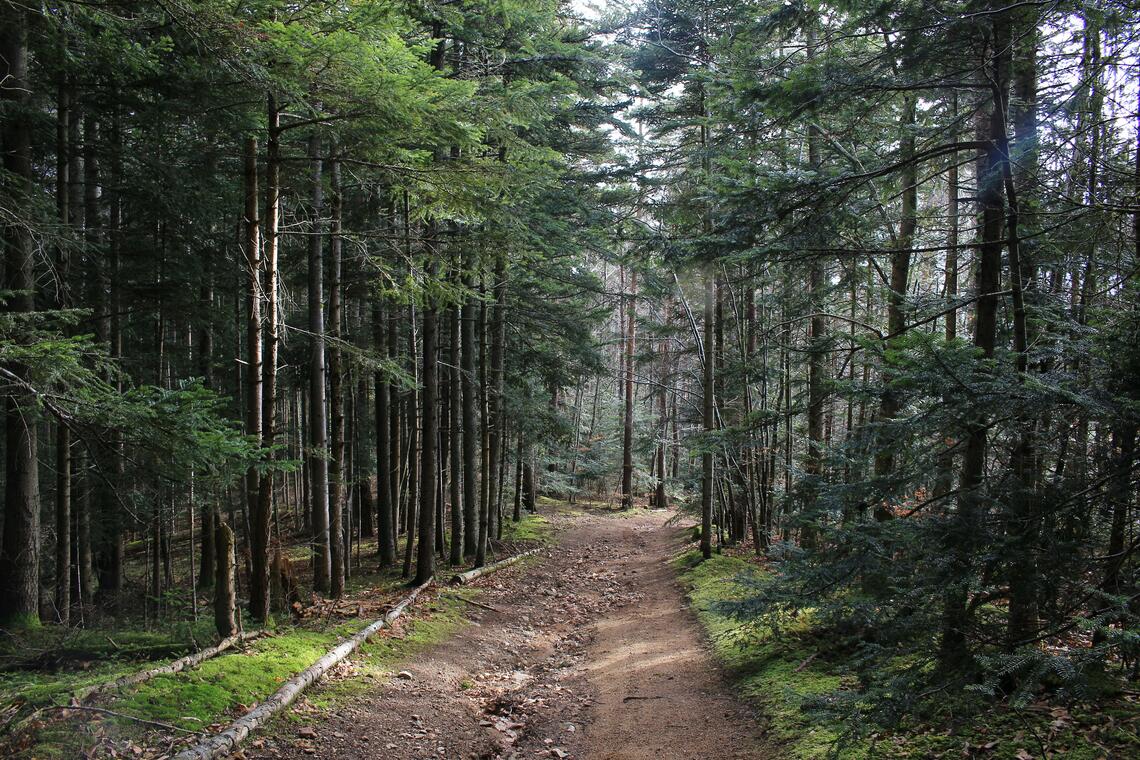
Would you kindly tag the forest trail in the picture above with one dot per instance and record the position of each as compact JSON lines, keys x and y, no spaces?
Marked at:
{"x":589,"y":653}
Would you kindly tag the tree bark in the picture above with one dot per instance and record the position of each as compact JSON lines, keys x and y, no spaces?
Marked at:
{"x":988,"y":278}
{"x":338,"y":554}
{"x":708,"y":415}
{"x":318,"y":420}
{"x":20,"y":546}
{"x":425,"y":556}
{"x":253,"y":300}
{"x":891,"y":401}
{"x":225,"y":603}
{"x":472,"y":528}
{"x":496,"y":421}
{"x":627,"y":417}
{"x":261,"y":522}
{"x":459,"y":539}
{"x":385,"y":474}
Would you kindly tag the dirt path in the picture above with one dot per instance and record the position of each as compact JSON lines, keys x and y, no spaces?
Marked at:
{"x":589,"y":654}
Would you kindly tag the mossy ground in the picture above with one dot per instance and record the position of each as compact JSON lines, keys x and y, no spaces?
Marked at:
{"x":532,"y":528}
{"x":780,"y":672}
{"x":222,"y":688}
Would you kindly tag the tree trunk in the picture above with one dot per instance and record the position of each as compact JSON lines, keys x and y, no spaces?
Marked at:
{"x":385,"y":473}
{"x":63,"y":477}
{"x":988,"y":276}
{"x":472,"y":528}
{"x":709,"y":415}
{"x":627,"y":417}
{"x":459,"y":539}
{"x":425,"y":556}
{"x":338,"y":554}
{"x":20,"y":547}
{"x":318,"y":421}
{"x":261,"y":522}
{"x":415,"y":441}
{"x":254,"y":297}
{"x":225,"y":603}
{"x":495,"y":416}
{"x":891,"y":402}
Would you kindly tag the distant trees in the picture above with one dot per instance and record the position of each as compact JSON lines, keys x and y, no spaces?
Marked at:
{"x":263,"y":215}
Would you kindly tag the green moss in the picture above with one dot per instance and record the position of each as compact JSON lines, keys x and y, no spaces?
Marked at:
{"x":534,"y":528}
{"x":228,"y":684}
{"x":780,"y":671}
{"x":21,"y":621}
{"x":87,"y":656}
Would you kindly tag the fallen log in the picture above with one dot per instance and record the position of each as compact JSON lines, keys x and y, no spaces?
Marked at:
{"x":227,"y":741}
{"x":461,"y":578}
{"x":79,"y":696}
{"x":177,"y":666}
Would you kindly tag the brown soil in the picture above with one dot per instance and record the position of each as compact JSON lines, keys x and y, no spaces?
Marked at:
{"x":590,"y":653}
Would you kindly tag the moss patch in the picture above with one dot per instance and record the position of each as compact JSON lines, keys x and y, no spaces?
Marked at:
{"x":780,"y":671}
{"x":532,"y":528}
{"x":225,"y":687}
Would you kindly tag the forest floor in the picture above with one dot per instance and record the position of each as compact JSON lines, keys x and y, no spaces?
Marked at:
{"x":588,"y":652}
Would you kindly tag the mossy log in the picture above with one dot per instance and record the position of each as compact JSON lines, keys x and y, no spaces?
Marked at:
{"x":227,"y":741}
{"x":189,"y":661}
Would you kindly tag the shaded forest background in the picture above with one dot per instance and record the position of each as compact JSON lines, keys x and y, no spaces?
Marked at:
{"x":854,"y":282}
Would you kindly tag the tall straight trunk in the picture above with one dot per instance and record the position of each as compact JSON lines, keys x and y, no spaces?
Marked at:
{"x":261,"y":521}
{"x":1024,"y":516}
{"x":425,"y":555}
{"x":529,"y":482}
{"x":627,"y":417}
{"x":63,"y":478}
{"x":945,"y":479}
{"x":114,"y":525}
{"x":395,"y":442}
{"x":1124,"y":440}
{"x":338,"y":554}
{"x":205,"y":354}
{"x":20,"y":546}
{"x":385,"y":487}
{"x":495,"y":418}
{"x":517,"y":513}
{"x":84,"y":582}
{"x":817,"y":326}
{"x":486,"y":517}
{"x":952,"y":192}
{"x":458,"y":529}
{"x":472,"y":528}
{"x":988,"y":282}
{"x":318,"y":419}
{"x":660,"y":497}
{"x":709,"y":414}
{"x":253,"y":300}
{"x":415,"y":441}
{"x":501,"y":474}
{"x":891,"y":401}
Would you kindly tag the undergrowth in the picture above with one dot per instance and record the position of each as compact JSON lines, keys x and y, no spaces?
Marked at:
{"x":221,"y":689}
{"x":798,"y":675}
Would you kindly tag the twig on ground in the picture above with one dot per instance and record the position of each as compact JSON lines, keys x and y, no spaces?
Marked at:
{"x":473,"y":602}
{"x":116,"y":714}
